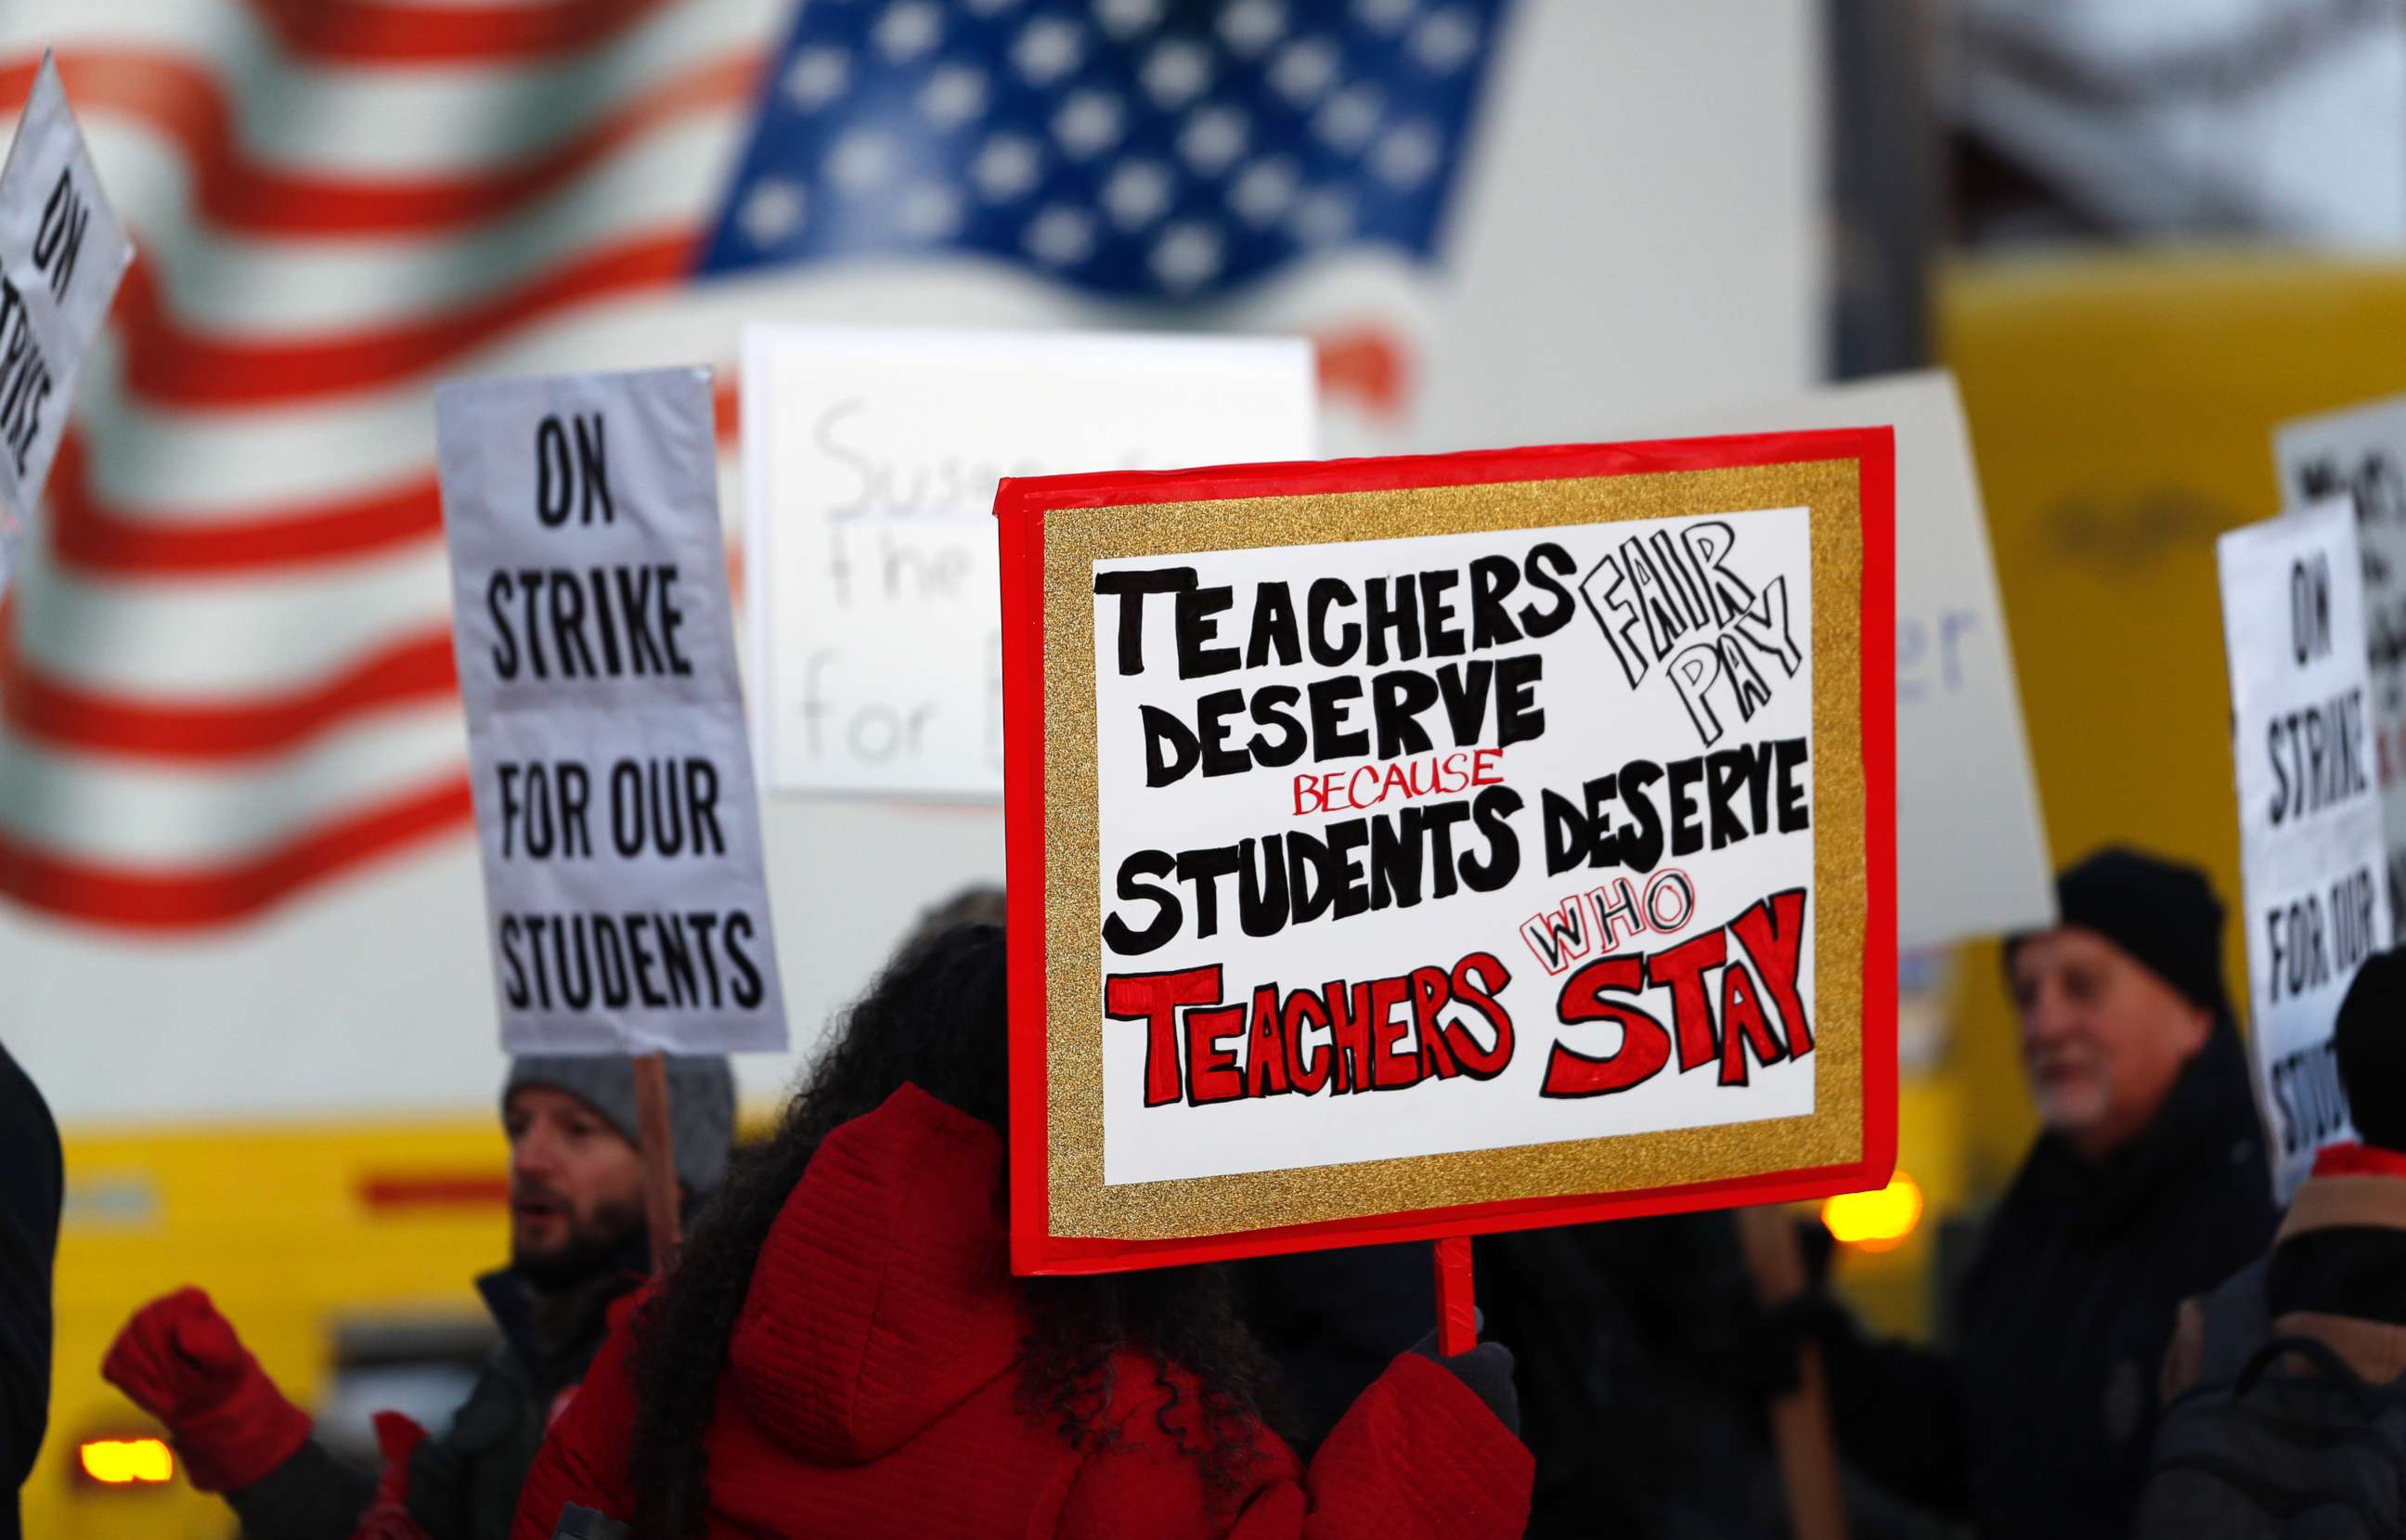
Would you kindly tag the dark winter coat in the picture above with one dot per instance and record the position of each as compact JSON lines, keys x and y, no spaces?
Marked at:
{"x":463,"y":1481}
{"x":1333,"y":1321}
{"x":2336,"y":1272}
{"x":1629,"y":1337}
{"x":2038,"y":1426}
{"x":32,"y":1185}
{"x":873,"y":1389}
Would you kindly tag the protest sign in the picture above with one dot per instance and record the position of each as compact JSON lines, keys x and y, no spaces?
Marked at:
{"x":1404,"y":848}
{"x":1959,"y":742}
{"x":869,"y":464}
{"x":2361,"y":453}
{"x":62,"y":253}
{"x":612,"y":776}
{"x":2309,"y":837}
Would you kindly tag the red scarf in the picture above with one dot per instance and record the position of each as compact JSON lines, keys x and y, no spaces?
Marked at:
{"x":2359,"y":1160}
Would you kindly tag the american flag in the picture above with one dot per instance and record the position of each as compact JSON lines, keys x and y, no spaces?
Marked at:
{"x":1140,"y":149}
{"x":224,"y":665}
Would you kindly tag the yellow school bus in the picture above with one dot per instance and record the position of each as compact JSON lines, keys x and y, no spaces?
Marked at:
{"x":343,"y":1253}
{"x":2122,"y":406}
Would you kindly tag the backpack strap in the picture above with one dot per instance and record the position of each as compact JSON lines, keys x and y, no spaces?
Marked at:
{"x":2238,"y":1319}
{"x":2369,"y":1400}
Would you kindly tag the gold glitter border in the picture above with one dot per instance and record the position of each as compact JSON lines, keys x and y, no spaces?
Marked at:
{"x":1081,"y":1206}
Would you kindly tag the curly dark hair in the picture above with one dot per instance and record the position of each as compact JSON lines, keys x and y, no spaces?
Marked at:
{"x":936,"y":1019}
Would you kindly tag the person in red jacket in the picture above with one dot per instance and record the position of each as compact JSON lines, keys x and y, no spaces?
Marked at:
{"x":842,"y":1350}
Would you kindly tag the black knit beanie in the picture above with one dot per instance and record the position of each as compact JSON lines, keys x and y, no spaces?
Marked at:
{"x":2161,"y":912}
{"x":2372,"y":1049}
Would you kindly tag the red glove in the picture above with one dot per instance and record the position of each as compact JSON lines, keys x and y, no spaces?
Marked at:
{"x":180,"y":1361}
{"x":388,"y":1516}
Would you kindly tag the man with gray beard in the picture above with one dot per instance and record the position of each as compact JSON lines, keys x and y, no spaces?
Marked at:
{"x":2148,"y":1184}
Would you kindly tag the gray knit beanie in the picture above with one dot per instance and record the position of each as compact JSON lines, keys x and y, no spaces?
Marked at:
{"x":701,"y":1103}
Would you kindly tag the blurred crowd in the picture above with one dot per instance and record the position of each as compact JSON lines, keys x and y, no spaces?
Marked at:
{"x":2142,"y":1343}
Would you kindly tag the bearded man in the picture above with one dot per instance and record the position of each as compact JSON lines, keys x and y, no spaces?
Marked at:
{"x":577,"y":1247}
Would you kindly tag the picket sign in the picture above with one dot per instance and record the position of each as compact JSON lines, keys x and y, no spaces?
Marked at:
{"x":871,"y":457}
{"x":2360,"y":454}
{"x":1412,"y":848}
{"x":1960,"y":740}
{"x":2310,"y":829}
{"x":612,"y":776}
{"x":62,"y":255}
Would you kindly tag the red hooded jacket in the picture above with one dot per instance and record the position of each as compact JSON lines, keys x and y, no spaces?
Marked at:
{"x":870,"y":1389}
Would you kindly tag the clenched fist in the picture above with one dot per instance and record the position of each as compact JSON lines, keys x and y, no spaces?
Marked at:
{"x":180,"y":1361}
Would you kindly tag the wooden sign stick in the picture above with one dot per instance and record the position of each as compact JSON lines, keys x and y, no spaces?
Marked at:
{"x":660,"y":1197}
{"x":1799,"y":1420}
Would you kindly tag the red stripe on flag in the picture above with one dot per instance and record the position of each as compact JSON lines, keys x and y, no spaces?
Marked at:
{"x":96,"y":540}
{"x":199,"y":896}
{"x":358,"y":31}
{"x":412,"y":671}
{"x":169,"y":365}
{"x":101,"y":541}
{"x":1369,"y":364}
{"x":244,"y":196}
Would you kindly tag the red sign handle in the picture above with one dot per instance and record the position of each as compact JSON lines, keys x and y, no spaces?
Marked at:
{"x":1457,"y":1314}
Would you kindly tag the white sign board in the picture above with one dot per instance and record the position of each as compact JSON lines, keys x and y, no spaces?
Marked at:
{"x":613,"y":779}
{"x":62,"y":253}
{"x":1406,"y":848}
{"x":2362,"y":454}
{"x":869,"y":464}
{"x":1471,"y":830}
{"x":2309,"y":841}
{"x":1959,"y":742}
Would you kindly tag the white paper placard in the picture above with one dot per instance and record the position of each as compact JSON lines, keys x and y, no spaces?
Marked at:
{"x":612,"y":778}
{"x":1455,"y":871}
{"x":869,"y":464}
{"x":62,"y":255}
{"x":2361,"y":453}
{"x":1960,"y":739}
{"x":2309,"y":840}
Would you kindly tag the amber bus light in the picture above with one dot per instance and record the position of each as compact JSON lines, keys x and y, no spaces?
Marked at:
{"x":1875,"y":1221}
{"x":127,"y":1462}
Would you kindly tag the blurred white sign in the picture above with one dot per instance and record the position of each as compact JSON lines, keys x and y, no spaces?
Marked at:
{"x":1972,"y":857}
{"x":869,"y":464}
{"x":2309,"y":809}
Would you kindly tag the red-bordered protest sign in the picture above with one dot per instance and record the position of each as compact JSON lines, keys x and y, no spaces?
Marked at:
{"x":1403,"y":849}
